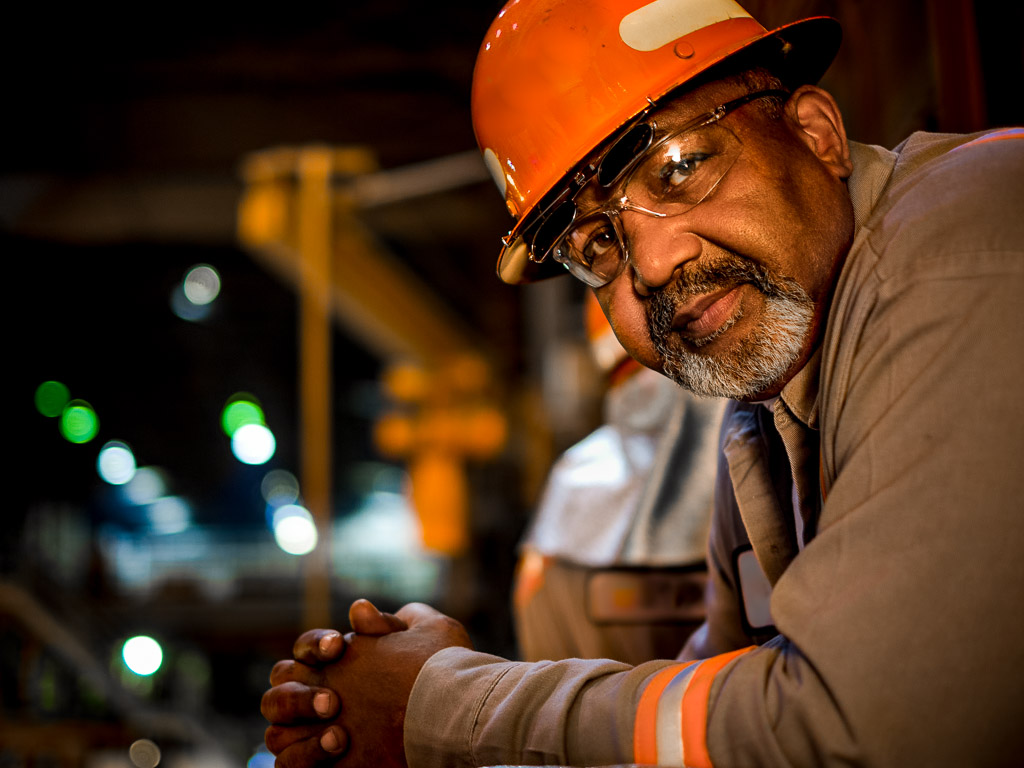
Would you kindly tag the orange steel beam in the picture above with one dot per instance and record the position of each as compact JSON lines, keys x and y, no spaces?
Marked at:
{"x":314,"y":278}
{"x":374,"y":296}
{"x":302,"y":227}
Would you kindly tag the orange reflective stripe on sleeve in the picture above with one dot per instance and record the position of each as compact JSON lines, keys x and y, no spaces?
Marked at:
{"x":671,"y":719}
{"x":645,"y":728}
{"x":695,"y":708}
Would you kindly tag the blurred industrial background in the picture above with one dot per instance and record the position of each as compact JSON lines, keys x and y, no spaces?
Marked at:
{"x":252,"y":307}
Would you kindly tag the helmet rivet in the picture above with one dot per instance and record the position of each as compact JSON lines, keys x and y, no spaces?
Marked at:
{"x":684,"y":50}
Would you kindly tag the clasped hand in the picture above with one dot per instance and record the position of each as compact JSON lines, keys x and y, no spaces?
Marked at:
{"x":345,"y":697}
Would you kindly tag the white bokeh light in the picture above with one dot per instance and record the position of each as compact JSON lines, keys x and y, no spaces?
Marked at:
{"x":253,"y":444}
{"x":202,"y":284}
{"x":142,"y":654}
{"x":384,"y":526}
{"x":279,"y":487}
{"x":146,"y":486}
{"x":169,"y":514}
{"x":294,"y":530}
{"x":116,"y":463}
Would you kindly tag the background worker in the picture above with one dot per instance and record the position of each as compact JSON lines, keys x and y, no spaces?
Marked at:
{"x":612,"y":565}
{"x":861,"y":307}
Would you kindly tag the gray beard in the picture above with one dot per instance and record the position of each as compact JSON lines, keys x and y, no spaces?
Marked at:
{"x":762,"y":358}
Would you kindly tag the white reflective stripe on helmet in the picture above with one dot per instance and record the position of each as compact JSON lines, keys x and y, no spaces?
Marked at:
{"x":659,"y":23}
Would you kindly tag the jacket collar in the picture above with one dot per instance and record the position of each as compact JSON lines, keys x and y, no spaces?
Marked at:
{"x":872,"y":169}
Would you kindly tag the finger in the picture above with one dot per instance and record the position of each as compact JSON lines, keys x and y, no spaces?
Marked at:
{"x":278,"y":738}
{"x":295,"y":703}
{"x":287,"y":670}
{"x":291,"y":671}
{"x":334,"y":740}
{"x":311,"y":751}
{"x":367,"y":620}
{"x":318,"y":646}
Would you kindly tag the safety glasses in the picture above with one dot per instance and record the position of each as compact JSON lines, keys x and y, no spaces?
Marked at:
{"x":656,"y":176}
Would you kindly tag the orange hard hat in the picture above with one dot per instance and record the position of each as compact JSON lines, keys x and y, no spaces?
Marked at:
{"x":554,"y":79}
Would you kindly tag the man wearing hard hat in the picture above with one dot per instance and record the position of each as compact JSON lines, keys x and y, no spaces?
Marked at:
{"x":862,"y":309}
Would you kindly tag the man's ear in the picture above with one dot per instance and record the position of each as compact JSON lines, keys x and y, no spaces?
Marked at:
{"x":816,"y":120}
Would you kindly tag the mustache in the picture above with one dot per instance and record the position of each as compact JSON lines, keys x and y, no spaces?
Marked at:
{"x":724,"y":271}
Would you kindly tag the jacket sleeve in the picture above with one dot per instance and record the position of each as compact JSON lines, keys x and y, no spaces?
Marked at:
{"x":472,"y":709}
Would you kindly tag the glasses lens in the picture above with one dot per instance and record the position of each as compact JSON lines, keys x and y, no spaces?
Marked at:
{"x":591,"y":250}
{"x":623,"y":153}
{"x":682,"y":169}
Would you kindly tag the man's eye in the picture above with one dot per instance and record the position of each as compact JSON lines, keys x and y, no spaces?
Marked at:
{"x":600,"y":245}
{"x":681,"y":171}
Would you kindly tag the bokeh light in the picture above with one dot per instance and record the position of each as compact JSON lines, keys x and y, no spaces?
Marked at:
{"x":241,"y":409}
{"x":253,"y":444}
{"x":294,"y":530}
{"x":169,"y":514}
{"x":262,"y":759}
{"x":192,"y":298}
{"x":144,"y":754}
{"x":142,"y":655}
{"x":383,"y":526}
{"x":202,"y":284}
{"x":51,"y":397}
{"x":185,"y":309}
{"x":279,"y":487}
{"x":79,"y":422}
{"x":146,"y":486}
{"x":116,"y":463}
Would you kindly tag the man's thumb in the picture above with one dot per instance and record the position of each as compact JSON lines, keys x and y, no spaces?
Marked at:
{"x":421,"y":615}
{"x":414,"y":613}
{"x":367,"y":620}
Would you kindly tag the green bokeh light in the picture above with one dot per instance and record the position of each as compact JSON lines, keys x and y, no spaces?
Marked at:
{"x":240,"y":410}
{"x":51,"y":397}
{"x":79,"y":422}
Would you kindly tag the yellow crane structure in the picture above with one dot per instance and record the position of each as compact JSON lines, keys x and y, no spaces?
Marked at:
{"x":298,"y":217}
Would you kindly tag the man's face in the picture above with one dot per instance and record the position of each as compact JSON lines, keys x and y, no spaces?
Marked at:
{"x":729,"y":298}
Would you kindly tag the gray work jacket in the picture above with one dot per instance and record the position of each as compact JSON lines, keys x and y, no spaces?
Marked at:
{"x":898,"y":607}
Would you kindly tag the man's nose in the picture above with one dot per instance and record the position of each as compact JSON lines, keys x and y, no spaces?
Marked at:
{"x":658,"y":249}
